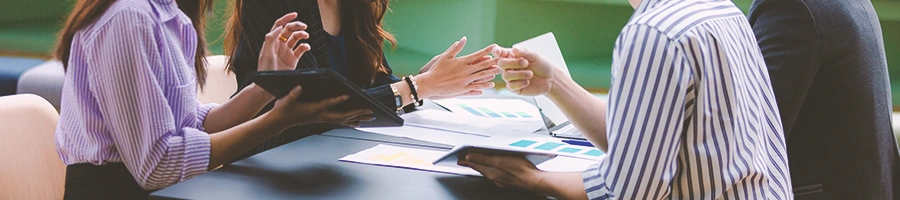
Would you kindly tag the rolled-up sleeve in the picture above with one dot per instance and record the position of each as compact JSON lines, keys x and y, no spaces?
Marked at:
{"x":157,"y":146}
{"x":202,"y":111}
{"x":645,"y":118}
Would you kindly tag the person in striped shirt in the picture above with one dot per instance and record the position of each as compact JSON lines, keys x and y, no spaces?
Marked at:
{"x":691,"y":113}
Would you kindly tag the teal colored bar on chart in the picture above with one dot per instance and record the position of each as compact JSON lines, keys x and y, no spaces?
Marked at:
{"x":569,"y":150}
{"x":490,"y":113}
{"x":522,"y":143}
{"x":593,"y":152}
{"x":510,"y":115}
{"x":549,"y":145}
{"x":467,"y":108}
{"x":524,"y":115}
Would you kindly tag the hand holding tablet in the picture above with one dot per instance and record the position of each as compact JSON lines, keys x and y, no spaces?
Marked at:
{"x":320,"y":84}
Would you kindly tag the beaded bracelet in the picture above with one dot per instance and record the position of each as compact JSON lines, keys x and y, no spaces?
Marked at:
{"x":414,"y":90}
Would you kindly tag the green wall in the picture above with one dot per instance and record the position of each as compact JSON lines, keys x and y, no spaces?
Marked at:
{"x":585,"y":29}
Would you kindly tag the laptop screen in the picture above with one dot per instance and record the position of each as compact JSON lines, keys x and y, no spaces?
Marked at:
{"x":546,"y":46}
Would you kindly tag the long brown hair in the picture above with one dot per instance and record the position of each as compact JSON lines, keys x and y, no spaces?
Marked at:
{"x":361,"y":24}
{"x":86,"y":12}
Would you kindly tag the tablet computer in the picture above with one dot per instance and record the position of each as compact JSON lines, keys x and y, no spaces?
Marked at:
{"x":450,"y":159}
{"x":319,"y":84}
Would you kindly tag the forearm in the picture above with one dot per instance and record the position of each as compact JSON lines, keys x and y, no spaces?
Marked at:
{"x":561,"y":185}
{"x":244,"y":106}
{"x":584,"y":110}
{"x":228,"y":144}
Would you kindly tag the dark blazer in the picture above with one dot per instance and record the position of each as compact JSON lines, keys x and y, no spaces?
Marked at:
{"x":257,"y":18}
{"x":828,"y":70}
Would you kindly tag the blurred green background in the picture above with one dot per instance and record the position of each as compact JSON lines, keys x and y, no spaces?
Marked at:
{"x":585,"y":30}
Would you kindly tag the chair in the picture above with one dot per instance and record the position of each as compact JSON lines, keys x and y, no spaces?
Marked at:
{"x":29,"y":165}
{"x":220,"y":83}
{"x":45,"y":80}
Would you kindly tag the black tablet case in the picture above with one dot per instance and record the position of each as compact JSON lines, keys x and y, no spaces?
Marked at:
{"x":319,"y":84}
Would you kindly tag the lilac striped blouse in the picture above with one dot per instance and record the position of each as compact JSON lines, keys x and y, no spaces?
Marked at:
{"x":130,"y":95}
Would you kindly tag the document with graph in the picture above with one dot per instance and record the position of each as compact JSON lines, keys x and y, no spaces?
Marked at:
{"x":420,"y":159}
{"x":505,"y":109}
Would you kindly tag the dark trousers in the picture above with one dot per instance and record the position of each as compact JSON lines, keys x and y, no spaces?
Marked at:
{"x":109,"y":181}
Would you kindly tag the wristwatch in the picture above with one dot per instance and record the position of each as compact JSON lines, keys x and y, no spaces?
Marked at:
{"x":397,"y":98}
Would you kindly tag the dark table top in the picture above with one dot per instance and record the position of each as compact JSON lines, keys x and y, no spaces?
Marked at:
{"x":309,"y":169}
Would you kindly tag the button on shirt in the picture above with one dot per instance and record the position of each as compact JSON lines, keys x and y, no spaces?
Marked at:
{"x":691,"y":112}
{"x":130,"y":95}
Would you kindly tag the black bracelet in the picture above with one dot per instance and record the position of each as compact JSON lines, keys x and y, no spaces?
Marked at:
{"x":414,"y":90}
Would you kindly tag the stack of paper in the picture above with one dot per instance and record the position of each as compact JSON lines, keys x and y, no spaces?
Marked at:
{"x":420,"y":159}
{"x":427,"y":134}
{"x":461,"y":123}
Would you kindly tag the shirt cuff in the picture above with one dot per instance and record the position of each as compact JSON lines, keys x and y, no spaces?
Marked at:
{"x":202,"y":111}
{"x":595,"y":183}
{"x":383,"y":94}
{"x":196,"y":153}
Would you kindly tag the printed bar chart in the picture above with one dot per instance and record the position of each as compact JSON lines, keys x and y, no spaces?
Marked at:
{"x":507,"y":109}
{"x":561,"y":148}
{"x":487,"y":112}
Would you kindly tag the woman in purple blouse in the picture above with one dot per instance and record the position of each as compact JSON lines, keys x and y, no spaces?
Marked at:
{"x":129,"y":120}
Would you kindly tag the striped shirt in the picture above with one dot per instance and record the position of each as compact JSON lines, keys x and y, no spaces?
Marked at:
{"x":691,"y":112}
{"x":130,"y":95}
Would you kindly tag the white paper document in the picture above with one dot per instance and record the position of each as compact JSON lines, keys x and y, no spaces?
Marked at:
{"x":420,"y":159}
{"x":427,"y":134}
{"x":404,"y":157}
{"x":505,"y":109}
{"x":468,"y":124}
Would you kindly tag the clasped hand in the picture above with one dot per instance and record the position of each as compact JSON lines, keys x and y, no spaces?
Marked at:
{"x":525,"y":72}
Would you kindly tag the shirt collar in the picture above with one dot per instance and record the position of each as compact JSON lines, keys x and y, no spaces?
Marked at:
{"x":165,"y":9}
{"x":646,"y":5}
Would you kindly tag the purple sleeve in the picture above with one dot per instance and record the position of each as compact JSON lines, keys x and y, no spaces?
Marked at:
{"x":126,"y":74}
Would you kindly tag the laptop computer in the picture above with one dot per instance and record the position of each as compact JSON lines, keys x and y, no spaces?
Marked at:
{"x":557,"y":123}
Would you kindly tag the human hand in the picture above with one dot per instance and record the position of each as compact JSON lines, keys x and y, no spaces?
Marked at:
{"x":434,"y":59}
{"x":448,"y":75}
{"x":288,"y":111}
{"x":278,"y":52}
{"x":505,"y":171}
{"x":525,"y":73}
{"x":469,"y":93}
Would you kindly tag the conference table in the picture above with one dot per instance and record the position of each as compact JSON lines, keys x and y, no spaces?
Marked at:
{"x":309,"y":169}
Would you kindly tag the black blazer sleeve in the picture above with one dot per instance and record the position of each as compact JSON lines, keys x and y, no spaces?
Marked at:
{"x":790,"y":45}
{"x":381,"y":89}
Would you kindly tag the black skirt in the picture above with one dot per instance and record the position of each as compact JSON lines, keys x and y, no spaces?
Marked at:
{"x":109,"y":181}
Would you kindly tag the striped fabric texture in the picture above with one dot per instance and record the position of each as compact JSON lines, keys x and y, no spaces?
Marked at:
{"x":130,"y":95}
{"x":691,"y":112}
